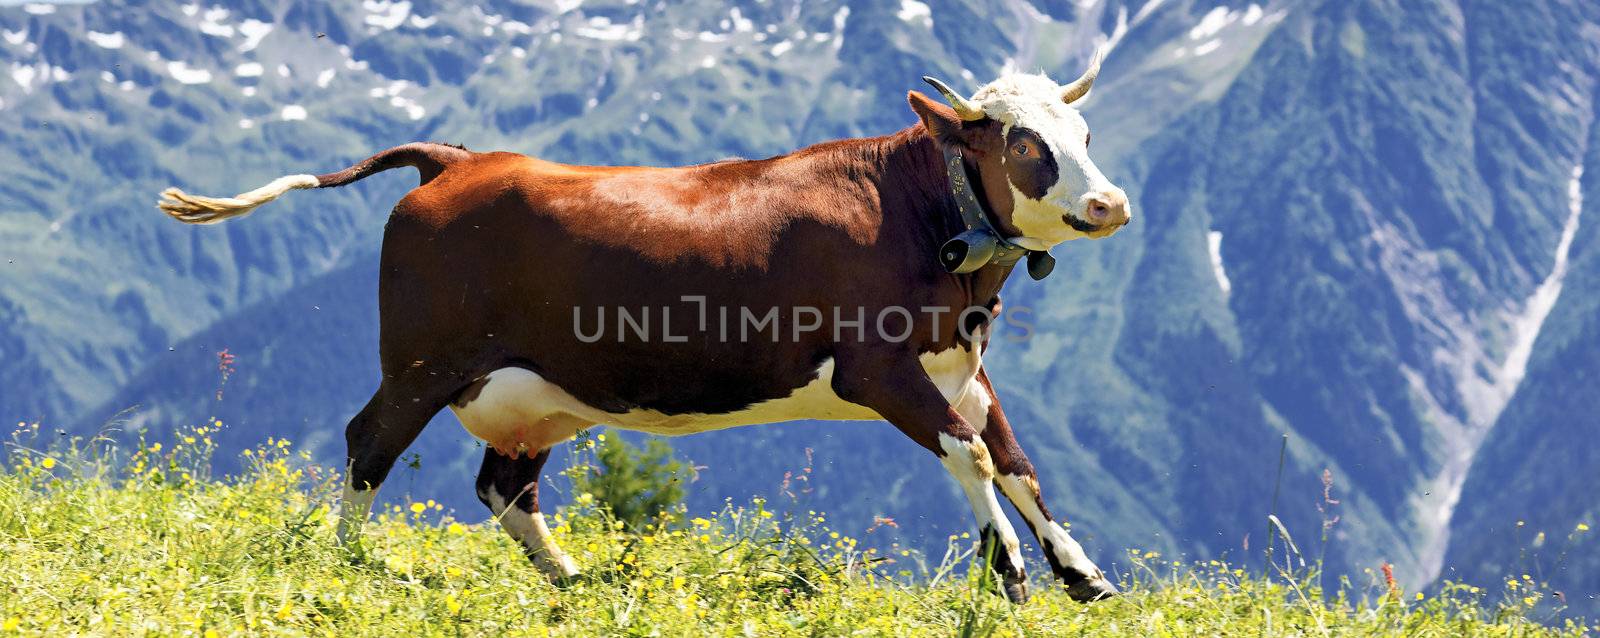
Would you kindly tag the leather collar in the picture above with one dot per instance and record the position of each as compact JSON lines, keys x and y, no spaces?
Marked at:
{"x":974,"y":217}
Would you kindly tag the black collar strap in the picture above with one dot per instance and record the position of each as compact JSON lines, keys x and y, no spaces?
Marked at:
{"x":1040,"y":263}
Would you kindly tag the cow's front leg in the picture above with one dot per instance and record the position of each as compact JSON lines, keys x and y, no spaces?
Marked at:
{"x":1019,"y":482}
{"x":897,"y":388}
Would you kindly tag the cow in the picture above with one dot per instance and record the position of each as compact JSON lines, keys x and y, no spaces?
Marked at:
{"x":495,"y":268}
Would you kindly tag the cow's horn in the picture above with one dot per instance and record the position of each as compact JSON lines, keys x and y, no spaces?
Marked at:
{"x":965,"y":109}
{"x":1080,"y":87}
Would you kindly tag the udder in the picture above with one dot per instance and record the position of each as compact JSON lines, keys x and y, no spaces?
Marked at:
{"x":516,"y":411}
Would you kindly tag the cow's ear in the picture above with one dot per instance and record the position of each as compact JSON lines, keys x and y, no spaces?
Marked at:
{"x":941,"y":121}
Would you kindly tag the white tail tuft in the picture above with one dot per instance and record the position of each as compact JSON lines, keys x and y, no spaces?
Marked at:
{"x":194,"y":209}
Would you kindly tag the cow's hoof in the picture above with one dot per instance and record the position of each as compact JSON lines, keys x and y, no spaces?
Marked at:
{"x":567,"y":581}
{"x":1089,"y":590}
{"x":1017,"y":592}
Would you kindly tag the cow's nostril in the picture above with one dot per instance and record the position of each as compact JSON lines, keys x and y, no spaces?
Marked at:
{"x":1098,"y":210}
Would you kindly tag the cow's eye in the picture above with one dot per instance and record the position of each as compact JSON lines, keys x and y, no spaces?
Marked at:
{"x":1021,"y":150}
{"x":1087,"y":137}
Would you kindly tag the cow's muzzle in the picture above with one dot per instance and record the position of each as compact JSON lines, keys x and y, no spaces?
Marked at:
{"x":1102,"y":213}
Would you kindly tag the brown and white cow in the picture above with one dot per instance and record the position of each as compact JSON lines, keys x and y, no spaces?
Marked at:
{"x":495,"y":269}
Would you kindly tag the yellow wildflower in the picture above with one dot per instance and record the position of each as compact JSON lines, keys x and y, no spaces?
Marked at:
{"x":47,"y":463}
{"x":418,"y":508}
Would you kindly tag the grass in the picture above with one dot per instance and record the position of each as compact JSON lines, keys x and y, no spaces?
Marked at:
{"x":144,"y":542}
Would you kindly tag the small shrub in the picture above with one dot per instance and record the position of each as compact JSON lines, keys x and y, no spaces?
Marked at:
{"x":638,"y":487}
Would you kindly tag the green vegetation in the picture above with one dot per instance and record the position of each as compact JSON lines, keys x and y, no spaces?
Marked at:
{"x":101,"y":543}
{"x":636,"y":487}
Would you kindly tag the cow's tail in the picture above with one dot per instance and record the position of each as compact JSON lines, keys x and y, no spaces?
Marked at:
{"x":428,"y":158}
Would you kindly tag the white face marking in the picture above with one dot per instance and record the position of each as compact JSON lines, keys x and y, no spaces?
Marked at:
{"x":518,"y":409}
{"x":1034,"y":102}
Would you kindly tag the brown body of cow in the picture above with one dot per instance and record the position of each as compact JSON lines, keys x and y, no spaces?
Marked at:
{"x":498,"y":270}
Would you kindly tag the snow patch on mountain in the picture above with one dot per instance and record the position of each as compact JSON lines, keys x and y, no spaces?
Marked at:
{"x":1213,"y":22}
{"x":1252,"y":15}
{"x":211,"y":23}
{"x":917,"y":13}
{"x":186,"y":74}
{"x":42,"y":73}
{"x":113,"y":40}
{"x":253,"y":31}
{"x":1527,"y":325}
{"x":386,"y":15}
{"x":1214,"y":246}
{"x":741,"y":24}
{"x":1487,"y":396}
{"x":601,"y":28}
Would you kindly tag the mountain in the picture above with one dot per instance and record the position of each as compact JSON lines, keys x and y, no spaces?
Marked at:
{"x":1514,"y":517}
{"x":1349,"y":215}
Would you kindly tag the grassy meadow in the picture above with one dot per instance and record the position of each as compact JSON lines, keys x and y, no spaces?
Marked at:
{"x":141,"y":540}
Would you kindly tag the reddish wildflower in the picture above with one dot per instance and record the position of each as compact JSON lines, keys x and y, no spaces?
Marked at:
{"x":1328,"y":501}
{"x":1388,"y":580}
{"x":225,"y":361}
{"x":784,"y":487}
{"x":882,"y":521}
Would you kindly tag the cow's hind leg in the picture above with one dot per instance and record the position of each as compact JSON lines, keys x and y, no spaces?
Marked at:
{"x":375,"y":439}
{"x":509,"y":486}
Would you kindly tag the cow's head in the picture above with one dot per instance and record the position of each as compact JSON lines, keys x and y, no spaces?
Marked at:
{"x":1031,"y":150}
